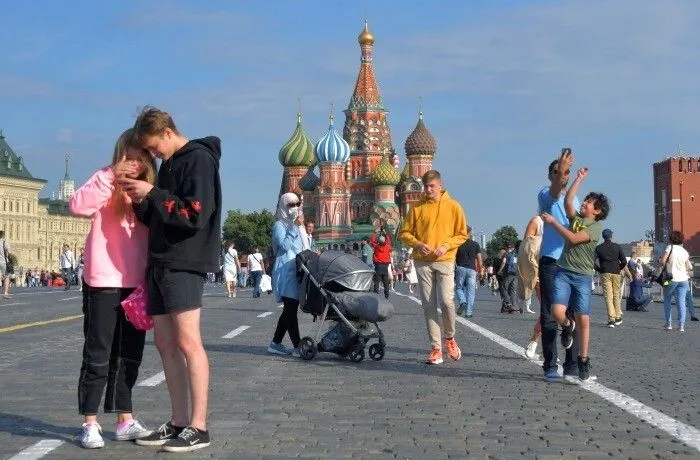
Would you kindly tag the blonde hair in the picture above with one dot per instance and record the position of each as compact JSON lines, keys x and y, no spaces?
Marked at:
{"x":430,"y":175}
{"x":126,"y":141}
{"x":152,"y":122}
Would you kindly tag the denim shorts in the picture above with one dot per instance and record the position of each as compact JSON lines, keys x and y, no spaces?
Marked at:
{"x":573,"y":290}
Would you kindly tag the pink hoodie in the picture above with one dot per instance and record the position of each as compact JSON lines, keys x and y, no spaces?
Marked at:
{"x":116,"y":249}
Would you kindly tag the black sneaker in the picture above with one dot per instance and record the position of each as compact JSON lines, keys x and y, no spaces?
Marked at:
{"x":165,"y":433}
{"x":611,"y":324}
{"x":584,"y":369}
{"x":694,"y":318}
{"x":618,"y":321}
{"x":567,"y":334}
{"x":461,"y":308}
{"x":189,"y":439}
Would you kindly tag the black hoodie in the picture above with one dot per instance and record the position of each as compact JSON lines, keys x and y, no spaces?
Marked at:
{"x":183,"y":211}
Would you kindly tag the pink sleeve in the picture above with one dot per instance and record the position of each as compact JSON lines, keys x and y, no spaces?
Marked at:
{"x":94,"y":194}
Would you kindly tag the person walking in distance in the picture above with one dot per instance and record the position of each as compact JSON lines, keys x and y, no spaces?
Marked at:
{"x":66,"y":260}
{"x":468,"y":259}
{"x":115,"y":264}
{"x":81,"y":268}
{"x":435,"y":227}
{"x":551,"y":200}
{"x":230,"y":269}
{"x":509,"y":272}
{"x":256,"y":268}
{"x":183,"y":214}
{"x":5,"y":254}
{"x":611,"y":261}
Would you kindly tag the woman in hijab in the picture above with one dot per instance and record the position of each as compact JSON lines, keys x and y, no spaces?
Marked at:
{"x":287,"y":236}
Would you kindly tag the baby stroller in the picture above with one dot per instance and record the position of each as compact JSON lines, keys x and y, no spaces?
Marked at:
{"x":335,"y":286}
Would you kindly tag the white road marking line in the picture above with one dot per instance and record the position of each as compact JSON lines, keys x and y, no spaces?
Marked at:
{"x":10,"y":304}
{"x":679,"y":430}
{"x":70,"y":298}
{"x":153,"y":381}
{"x":264,"y":315}
{"x":39,"y":292}
{"x":38,"y":450}
{"x":239,"y":330}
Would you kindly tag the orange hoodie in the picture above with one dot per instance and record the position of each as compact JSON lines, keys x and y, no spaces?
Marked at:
{"x":442,"y":223}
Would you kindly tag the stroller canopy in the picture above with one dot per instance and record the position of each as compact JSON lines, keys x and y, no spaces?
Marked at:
{"x":337,"y":270}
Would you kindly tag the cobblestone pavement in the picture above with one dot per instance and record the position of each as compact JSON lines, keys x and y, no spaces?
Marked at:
{"x":492,"y":403}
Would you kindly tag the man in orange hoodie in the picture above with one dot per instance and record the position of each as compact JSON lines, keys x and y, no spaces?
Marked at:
{"x":435,"y":228}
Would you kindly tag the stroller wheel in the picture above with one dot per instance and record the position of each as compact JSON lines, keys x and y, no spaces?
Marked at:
{"x":357,"y":354}
{"x":307,"y":348}
{"x":376,"y":352}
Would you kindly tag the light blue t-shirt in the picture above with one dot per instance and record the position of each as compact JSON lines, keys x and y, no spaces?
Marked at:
{"x":552,"y":241}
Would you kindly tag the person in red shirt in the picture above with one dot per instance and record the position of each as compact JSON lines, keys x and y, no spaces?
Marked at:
{"x":381,"y":243}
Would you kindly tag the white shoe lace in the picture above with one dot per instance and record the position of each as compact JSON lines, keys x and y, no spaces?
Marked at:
{"x":187,"y":434}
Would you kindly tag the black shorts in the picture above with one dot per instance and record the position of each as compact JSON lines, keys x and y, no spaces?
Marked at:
{"x":173,"y":291}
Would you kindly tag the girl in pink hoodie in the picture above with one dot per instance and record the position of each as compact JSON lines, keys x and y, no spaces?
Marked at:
{"x":116,"y":252}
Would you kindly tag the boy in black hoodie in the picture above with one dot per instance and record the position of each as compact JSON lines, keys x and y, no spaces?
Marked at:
{"x":183,"y":214}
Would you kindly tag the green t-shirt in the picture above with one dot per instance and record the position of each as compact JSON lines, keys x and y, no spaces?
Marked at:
{"x":580,"y":258}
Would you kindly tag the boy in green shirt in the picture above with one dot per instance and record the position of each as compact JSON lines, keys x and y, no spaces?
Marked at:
{"x":571,"y":296}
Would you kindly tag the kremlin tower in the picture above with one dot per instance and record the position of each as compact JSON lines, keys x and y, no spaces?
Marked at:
{"x":358,"y":184}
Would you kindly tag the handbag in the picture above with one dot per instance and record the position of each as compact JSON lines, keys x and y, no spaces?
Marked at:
{"x":135,"y":309}
{"x":664,"y":276}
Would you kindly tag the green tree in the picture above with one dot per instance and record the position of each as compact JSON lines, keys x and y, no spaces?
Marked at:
{"x":501,"y":237}
{"x":249,"y":230}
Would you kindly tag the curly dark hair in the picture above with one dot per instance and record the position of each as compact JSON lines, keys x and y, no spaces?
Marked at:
{"x":600,"y":203}
{"x":676,"y":237}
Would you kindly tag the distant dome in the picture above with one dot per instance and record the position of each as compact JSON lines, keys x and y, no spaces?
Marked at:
{"x":420,"y":141}
{"x":366,"y":37}
{"x":309,"y":181}
{"x":298,"y":151}
{"x":332,"y":147}
{"x":406,"y":173}
{"x":385,"y":173}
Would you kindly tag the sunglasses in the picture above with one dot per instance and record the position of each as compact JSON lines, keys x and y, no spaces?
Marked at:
{"x":294,"y":205}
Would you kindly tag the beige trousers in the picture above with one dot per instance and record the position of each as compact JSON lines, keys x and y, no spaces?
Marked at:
{"x":612,"y":293}
{"x":436,"y":282}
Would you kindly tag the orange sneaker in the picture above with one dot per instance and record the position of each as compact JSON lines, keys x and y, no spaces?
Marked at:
{"x":453,"y":349}
{"x":435,"y":356}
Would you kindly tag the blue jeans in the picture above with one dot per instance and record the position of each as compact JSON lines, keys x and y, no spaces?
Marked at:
{"x":550,"y":328}
{"x":679,"y":289}
{"x":465,"y":287}
{"x":255,"y":277}
{"x":690,"y":303}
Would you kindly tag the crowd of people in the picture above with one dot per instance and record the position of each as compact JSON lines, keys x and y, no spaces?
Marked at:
{"x":159,"y":229}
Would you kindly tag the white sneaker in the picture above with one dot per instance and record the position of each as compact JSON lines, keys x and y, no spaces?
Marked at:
{"x":575,"y":380}
{"x":133,"y":430}
{"x":681,"y":328}
{"x":91,"y":436}
{"x":233,"y":294}
{"x":531,"y":350}
{"x":667,"y":326}
{"x":530,"y":310}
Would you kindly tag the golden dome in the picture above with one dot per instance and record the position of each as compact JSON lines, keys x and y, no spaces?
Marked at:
{"x":366,"y":37}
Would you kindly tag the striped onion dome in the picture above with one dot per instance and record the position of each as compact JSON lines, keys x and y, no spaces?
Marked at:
{"x":420,"y":141}
{"x":309,"y":181}
{"x":298,"y":151}
{"x":332,"y":147}
{"x":385,"y":173}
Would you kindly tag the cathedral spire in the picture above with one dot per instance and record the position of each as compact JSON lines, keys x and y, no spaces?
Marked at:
{"x":67,"y":177}
{"x":366,"y":93}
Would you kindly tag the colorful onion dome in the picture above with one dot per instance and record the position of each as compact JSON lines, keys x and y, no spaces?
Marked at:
{"x":309,"y":181}
{"x":420,"y":141}
{"x":385,"y":173}
{"x":332,"y":148}
{"x":299,"y":150}
{"x":366,"y":37}
{"x":406,"y":173}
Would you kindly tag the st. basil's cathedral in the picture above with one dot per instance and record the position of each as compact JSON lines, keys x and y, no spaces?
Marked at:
{"x":358,"y":186}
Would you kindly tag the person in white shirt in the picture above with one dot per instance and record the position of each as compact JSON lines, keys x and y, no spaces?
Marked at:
{"x":66,"y":261}
{"x":676,"y":261}
{"x":307,"y":236}
{"x":231,"y":267}
{"x":256,"y":268}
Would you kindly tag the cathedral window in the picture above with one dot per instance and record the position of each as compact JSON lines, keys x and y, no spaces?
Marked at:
{"x":10,"y":206}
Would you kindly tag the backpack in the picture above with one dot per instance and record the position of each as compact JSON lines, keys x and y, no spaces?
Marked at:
{"x":511,"y":263}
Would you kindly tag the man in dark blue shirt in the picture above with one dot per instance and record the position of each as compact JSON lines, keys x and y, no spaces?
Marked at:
{"x":637,"y":301}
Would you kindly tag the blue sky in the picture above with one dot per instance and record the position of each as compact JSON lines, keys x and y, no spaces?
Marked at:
{"x":505,"y":84}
